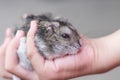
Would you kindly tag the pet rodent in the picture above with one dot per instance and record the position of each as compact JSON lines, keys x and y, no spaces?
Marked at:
{"x":55,"y":37}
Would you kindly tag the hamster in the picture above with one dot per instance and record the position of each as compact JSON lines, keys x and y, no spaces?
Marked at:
{"x":55,"y":37}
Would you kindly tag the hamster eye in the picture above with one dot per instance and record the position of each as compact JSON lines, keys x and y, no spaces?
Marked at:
{"x":66,"y":36}
{"x":42,"y":29}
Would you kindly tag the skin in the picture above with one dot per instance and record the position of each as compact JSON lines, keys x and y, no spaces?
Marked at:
{"x":3,"y":48}
{"x":96,"y":56}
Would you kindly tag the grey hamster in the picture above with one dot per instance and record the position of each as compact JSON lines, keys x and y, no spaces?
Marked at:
{"x":55,"y":37}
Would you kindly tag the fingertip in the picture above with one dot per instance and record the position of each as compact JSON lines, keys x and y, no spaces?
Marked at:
{"x":6,"y":75}
{"x":33,"y":28}
{"x":8,"y":37}
{"x":9,"y":32}
{"x":19,"y":33}
{"x":33,"y":24}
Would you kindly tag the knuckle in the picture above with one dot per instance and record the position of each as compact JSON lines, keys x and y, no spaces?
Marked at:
{"x":9,"y":68}
{"x":4,"y":74}
{"x":30,"y":54}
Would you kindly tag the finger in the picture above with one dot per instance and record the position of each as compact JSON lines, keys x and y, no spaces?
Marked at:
{"x":9,"y":33}
{"x":3,"y":72}
{"x":30,"y":39}
{"x":6,"y":41}
{"x":33,"y":29}
{"x":32,"y":51}
{"x":23,"y":73}
{"x":8,"y":37}
{"x":11,"y":56}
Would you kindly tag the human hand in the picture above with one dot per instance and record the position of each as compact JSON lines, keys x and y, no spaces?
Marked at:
{"x":60,"y":68}
{"x":3,"y":72}
{"x":93,"y":58}
{"x":49,"y":66}
{"x":12,"y":63}
{"x":90,"y":60}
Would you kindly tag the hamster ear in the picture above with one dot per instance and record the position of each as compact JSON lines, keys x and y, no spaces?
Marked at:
{"x":56,"y":24}
{"x":60,"y":19}
{"x":26,"y":15}
{"x":64,"y":21}
{"x":27,"y":18}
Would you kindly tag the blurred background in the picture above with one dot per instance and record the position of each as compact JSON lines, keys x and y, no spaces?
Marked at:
{"x":93,"y":18}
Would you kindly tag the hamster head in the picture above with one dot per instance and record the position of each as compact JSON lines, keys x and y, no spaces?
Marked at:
{"x":55,"y":37}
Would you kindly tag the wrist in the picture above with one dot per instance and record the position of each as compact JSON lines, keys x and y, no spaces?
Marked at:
{"x":115,"y":50}
{"x":107,"y":52}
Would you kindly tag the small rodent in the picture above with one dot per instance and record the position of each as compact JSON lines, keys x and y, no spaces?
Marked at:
{"x":55,"y":37}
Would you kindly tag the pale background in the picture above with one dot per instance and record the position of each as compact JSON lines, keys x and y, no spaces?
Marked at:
{"x":94,"y":18}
